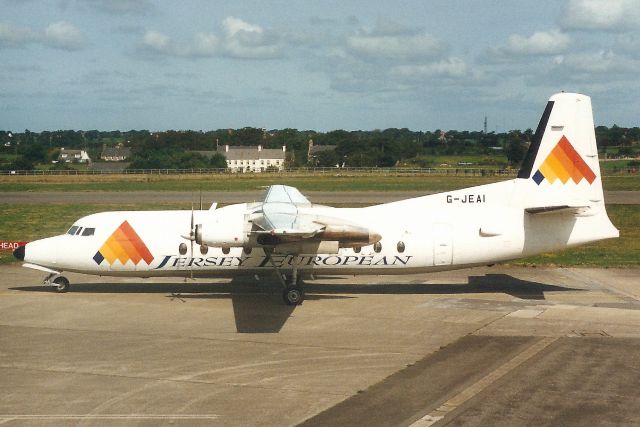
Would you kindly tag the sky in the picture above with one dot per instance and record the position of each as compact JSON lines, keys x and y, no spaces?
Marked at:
{"x":314,"y":64}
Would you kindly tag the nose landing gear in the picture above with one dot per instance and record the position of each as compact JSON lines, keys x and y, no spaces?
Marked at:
{"x":58,"y":283}
{"x":61,"y":284}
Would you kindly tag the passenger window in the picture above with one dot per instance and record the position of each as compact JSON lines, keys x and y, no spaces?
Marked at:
{"x":73,"y":230}
{"x":88,"y":231}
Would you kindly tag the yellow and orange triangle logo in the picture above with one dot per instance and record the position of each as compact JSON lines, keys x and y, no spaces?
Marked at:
{"x":564,"y":163}
{"x":123,"y":245}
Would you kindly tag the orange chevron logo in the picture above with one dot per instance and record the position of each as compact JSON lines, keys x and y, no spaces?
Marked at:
{"x":123,"y":245}
{"x":564,"y":163}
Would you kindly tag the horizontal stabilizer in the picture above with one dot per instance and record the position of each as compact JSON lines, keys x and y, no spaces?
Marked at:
{"x":545,"y":210}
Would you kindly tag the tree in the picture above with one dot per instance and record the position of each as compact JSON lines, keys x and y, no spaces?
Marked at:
{"x":515,"y":149}
{"x":218,"y":161}
{"x":327,"y":158}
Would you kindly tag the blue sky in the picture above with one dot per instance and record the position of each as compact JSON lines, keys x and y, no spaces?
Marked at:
{"x":146,"y":64}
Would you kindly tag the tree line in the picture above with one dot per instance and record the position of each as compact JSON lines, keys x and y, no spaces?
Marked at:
{"x":383,"y":148}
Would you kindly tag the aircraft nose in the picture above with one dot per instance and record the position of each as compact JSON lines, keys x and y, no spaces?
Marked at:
{"x":19,"y":253}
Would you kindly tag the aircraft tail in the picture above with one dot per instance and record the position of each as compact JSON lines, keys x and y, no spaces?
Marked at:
{"x":561,"y":173}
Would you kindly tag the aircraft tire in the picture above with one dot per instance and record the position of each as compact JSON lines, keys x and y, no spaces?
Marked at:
{"x":293,"y":295}
{"x":61,"y":284}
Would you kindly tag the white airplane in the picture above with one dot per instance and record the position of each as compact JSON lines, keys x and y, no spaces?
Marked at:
{"x":556,"y":202}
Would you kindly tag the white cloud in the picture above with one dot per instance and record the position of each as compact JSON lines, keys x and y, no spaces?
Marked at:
{"x":59,"y":35}
{"x":205,"y":44}
{"x":539,"y":43}
{"x":402,"y":47}
{"x":233,"y":26}
{"x":605,"y":15}
{"x":14,"y":36}
{"x":63,"y":35}
{"x":244,"y":40}
{"x":407,"y":60}
{"x":157,"y":42}
{"x":601,"y":62}
{"x":448,"y":68}
{"x":239,"y":39}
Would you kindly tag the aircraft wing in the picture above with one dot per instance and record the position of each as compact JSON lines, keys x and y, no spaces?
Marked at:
{"x":284,"y":194}
{"x":279,"y":215}
{"x":284,"y":217}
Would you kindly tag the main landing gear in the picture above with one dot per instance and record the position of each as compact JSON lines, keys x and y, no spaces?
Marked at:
{"x":58,"y":283}
{"x":292,"y":294}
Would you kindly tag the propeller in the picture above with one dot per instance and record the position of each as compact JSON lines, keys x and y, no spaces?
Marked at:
{"x":192,"y":237}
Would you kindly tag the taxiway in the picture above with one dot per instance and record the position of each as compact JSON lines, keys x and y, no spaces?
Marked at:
{"x":485,"y":346}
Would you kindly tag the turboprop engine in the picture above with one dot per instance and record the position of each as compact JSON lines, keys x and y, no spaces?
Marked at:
{"x":281,"y":227}
{"x":226,"y":227}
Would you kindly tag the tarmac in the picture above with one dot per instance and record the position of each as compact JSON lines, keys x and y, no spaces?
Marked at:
{"x":484,"y":346}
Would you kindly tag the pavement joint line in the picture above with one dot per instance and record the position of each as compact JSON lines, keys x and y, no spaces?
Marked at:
{"x":32,"y":417}
{"x":475,"y":388}
{"x":177,"y":380}
{"x":227,"y":340}
{"x":502,"y":316}
{"x":601,"y":285}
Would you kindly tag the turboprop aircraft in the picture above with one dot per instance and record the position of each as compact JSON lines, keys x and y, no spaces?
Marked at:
{"x":556,"y":202}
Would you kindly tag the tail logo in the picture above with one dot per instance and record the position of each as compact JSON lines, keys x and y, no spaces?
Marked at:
{"x":564,"y":163}
{"x":123,"y":245}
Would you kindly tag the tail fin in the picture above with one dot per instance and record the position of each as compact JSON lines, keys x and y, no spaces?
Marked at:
{"x":561,"y":176}
{"x":562,"y":161}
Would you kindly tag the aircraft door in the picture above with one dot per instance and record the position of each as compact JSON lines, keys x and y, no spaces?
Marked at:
{"x":442,"y":244}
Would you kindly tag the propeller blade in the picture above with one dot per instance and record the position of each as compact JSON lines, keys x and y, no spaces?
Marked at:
{"x":192,"y":234}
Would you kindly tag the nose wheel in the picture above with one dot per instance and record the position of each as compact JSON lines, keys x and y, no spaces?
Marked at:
{"x":59,"y":283}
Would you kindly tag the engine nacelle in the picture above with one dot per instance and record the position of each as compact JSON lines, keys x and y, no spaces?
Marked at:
{"x":350,"y":235}
{"x":227,"y":227}
{"x":221,"y":236}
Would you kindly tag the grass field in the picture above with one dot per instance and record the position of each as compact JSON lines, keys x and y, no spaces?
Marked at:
{"x":29,"y":222}
{"x":305,"y":182}
{"x":615,"y":166}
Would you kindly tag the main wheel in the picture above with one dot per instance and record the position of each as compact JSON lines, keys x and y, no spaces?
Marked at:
{"x":61,"y":284}
{"x":293,"y":295}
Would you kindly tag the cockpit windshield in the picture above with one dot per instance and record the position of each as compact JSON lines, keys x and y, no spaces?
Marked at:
{"x":76,"y":230}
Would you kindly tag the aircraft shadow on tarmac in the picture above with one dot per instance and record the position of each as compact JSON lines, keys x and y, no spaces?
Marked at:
{"x":258,"y":306}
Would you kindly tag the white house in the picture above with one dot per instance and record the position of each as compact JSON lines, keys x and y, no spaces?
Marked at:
{"x":253,"y":159}
{"x":73,"y":156}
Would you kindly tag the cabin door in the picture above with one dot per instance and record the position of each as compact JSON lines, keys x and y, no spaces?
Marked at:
{"x":442,"y":244}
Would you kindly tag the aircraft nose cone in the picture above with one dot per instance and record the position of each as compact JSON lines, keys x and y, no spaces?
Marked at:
{"x":19,"y":252}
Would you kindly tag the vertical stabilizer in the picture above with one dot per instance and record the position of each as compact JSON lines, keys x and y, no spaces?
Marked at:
{"x":559,"y":185}
{"x":561,"y":166}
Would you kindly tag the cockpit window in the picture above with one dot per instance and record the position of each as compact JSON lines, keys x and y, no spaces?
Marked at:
{"x":73,"y":230}
{"x":79,"y":231}
{"x":88,"y":231}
